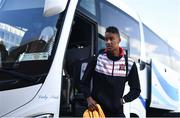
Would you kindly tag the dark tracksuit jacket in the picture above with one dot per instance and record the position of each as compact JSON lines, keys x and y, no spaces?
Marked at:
{"x":109,"y":78}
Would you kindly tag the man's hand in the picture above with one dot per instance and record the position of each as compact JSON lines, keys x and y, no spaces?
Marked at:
{"x":91,"y":104}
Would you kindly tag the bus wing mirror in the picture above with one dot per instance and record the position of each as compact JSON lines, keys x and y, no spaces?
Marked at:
{"x":53,"y":7}
{"x":142,"y":64}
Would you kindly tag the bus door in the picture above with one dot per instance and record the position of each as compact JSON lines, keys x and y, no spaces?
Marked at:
{"x":79,"y":49}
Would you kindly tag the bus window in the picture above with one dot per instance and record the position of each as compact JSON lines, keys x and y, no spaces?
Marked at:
{"x":28,"y":37}
{"x":124,"y":41}
{"x":88,"y":5}
{"x":155,"y":47}
{"x":101,"y":42}
{"x":175,"y":59}
{"x":112,"y":16}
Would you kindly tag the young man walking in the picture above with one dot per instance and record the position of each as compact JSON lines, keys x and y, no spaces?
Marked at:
{"x":110,"y":70}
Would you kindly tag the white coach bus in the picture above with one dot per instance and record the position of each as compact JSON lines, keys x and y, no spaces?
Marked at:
{"x":45,"y":46}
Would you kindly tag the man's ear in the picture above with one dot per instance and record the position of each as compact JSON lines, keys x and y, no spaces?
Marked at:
{"x":119,"y":39}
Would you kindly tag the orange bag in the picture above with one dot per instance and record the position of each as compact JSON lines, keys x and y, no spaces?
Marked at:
{"x":94,"y":114}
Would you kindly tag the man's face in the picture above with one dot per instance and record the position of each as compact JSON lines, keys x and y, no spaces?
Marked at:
{"x":112,"y":41}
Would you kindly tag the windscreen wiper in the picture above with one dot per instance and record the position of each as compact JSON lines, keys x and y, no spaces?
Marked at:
{"x":19,"y":75}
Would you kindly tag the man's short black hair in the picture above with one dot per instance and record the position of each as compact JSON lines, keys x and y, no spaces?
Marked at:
{"x":113,"y":29}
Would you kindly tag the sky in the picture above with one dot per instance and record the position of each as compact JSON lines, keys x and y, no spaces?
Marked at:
{"x":162,"y":16}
